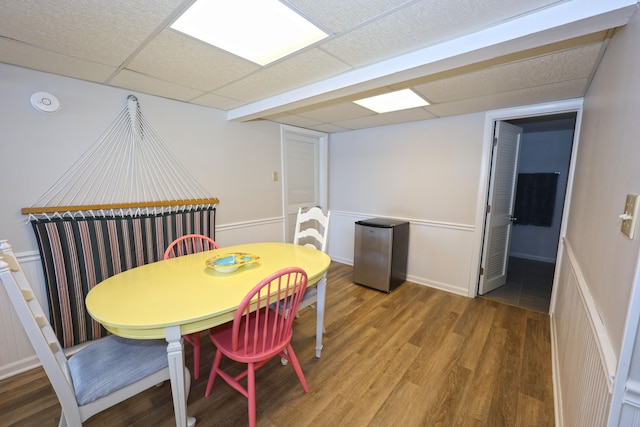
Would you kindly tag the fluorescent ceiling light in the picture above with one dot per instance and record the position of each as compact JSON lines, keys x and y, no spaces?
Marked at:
{"x":393,"y":101}
{"x":261,"y":31}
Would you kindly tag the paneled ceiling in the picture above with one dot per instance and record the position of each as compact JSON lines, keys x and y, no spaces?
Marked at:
{"x":463,"y":56}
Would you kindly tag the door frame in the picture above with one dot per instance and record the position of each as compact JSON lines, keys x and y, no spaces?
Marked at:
{"x":567,"y":106}
{"x":323,"y":169}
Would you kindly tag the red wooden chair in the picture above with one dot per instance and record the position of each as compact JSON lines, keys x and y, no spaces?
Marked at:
{"x":185,"y":245}
{"x":190,"y":244}
{"x":260,"y":330}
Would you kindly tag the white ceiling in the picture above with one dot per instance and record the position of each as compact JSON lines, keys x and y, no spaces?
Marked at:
{"x":462,"y":55}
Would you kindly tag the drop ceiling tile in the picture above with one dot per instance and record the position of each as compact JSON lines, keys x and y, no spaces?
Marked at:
{"x":538,"y":51}
{"x":422,"y":24}
{"x":557,"y":67}
{"x":293,"y":120}
{"x":529,"y":96}
{"x":92,"y":40}
{"x":299,"y":70}
{"x":215,"y":101}
{"x":328,"y":128}
{"x":352,"y":13}
{"x":336,"y":112}
{"x":139,"y":82}
{"x":410,"y":115}
{"x":173,"y":56}
{"x":98,"y":31}
{"x":18,"y":53}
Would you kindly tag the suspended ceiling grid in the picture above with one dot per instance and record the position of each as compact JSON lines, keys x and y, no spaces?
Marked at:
{"x":463,"y":56}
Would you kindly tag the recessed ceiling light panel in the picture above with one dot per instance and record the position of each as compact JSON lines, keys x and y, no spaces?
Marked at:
{"x":261,"y":31}
{"x":393,"y":101}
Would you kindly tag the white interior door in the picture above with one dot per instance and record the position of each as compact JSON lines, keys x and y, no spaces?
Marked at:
{"x":304,"y":177}
{"x":498,"y":222}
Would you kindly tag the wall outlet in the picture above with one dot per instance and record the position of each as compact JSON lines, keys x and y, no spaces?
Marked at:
{"x":630,"y":215}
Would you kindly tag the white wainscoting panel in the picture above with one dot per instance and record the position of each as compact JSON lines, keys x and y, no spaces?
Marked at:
{"x":341,"y":236}
{"x":439,"y":253}
{"x":265,"y":230}
{"x":582,"y":353}
{"x":16,"y":353}
{"x":630,"y":416}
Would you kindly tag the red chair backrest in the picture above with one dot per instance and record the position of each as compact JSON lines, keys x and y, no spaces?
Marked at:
{"x":262,"y":326}
{"x":189,"y":244}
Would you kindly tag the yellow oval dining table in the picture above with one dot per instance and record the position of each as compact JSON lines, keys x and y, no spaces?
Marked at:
{"x":170,"y":298}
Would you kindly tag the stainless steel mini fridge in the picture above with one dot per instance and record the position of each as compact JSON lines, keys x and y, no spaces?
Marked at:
{"x":380,"y":253}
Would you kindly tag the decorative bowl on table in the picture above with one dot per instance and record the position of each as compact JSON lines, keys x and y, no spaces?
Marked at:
{"x":230,"y":262}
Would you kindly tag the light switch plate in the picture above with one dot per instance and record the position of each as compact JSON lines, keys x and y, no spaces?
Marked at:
{"x":630,"y":214}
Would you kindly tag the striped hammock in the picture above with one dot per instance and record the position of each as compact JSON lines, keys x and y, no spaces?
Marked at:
{"x":118,"y":207}
{"x":78,"y":253}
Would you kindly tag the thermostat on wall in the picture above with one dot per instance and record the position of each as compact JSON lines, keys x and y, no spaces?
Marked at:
{"x":46,"y":102}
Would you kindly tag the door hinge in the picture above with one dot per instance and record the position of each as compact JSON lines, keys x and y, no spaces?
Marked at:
{"x":488,"y":208}
{"x":481,"y":271}
{"x":495,"y":141}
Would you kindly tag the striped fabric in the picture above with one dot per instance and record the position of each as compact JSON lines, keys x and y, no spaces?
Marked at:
{"x":78,"y":253}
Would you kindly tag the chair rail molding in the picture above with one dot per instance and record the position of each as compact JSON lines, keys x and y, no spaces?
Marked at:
{"x":439,"y":252}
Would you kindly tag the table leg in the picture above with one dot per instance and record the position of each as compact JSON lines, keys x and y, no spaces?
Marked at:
{"x":322,"y":294}
{"x":175,"y":355}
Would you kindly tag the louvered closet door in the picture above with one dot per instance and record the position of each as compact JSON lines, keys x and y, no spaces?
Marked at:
{"x":498,"y":223}
{"x":302,"y":182}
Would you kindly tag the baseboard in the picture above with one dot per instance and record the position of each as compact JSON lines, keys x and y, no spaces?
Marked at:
{"x":533,"y":257}
{"x":555,"y":374}
{"x":19,"y":367}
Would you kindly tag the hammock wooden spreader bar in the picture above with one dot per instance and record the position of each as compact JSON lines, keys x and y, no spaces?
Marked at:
{"x":134,"y":205}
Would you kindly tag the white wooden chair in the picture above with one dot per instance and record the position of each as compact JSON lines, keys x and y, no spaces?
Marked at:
{"x":312,"y":229}
{"x":102,"y":374}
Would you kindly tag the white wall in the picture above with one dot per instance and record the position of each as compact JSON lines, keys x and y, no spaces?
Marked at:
{"x":234,"y":161}
{"x":606,"y":171}
{"x":602,"y":259}
{"x":426,"y":172}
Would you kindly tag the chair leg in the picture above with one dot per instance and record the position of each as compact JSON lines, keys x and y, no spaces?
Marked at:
{"x":297,"y":368}
{"x":251,"y":393}
{"x":214,"y":372}
{"x":322,"y":292}
{"x":196,"y":355}
{"x":63,"y":420}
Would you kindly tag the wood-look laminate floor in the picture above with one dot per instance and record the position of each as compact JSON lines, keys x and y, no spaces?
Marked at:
{"x":415,"y":357}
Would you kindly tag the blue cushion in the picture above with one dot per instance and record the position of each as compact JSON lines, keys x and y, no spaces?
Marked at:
{"x":310,"y":292}
{"x":112,"y":363}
